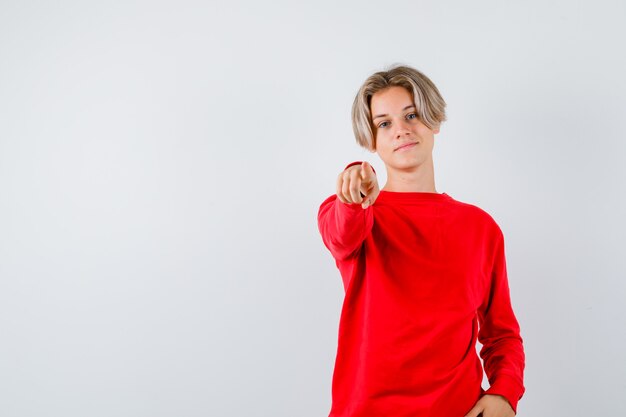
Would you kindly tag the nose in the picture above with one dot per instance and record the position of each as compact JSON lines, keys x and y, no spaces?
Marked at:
{"x":402,"y":129}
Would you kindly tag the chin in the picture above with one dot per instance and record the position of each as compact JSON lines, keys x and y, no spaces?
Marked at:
{"x":404,"y":166}
{"x":403,"y":162}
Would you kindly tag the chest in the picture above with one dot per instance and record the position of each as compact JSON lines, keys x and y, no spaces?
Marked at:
{"x":435,"y":260}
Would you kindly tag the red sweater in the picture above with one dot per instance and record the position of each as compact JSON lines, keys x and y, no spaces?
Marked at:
{"x":424,"y":278}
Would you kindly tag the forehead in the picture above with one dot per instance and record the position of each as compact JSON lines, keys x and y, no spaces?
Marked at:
{"x":390,"y":100}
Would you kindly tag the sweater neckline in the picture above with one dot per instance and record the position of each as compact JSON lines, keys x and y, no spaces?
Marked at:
{"x":413,"y":196}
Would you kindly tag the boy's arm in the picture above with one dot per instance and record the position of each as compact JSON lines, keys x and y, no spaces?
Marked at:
{"x":344,"y":226}
{"x":502,"y":351}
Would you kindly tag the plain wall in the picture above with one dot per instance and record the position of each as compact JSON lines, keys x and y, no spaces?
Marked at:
{"x":162,"y":165}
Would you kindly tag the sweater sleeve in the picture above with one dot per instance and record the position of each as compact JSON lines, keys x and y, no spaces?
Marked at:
{"x":502,"y":351}
{"x":344,"y":226}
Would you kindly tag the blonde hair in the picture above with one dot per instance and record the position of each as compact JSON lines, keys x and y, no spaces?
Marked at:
{"x":426,"y":97}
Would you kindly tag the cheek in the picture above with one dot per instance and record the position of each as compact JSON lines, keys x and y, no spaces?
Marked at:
{"x":385,"y":145}
{"x":384,"y":139}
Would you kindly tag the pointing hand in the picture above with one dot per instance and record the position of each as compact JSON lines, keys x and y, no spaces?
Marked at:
{"x":358,"y":184}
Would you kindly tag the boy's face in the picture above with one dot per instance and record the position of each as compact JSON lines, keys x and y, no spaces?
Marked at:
{"x":395,"y":123}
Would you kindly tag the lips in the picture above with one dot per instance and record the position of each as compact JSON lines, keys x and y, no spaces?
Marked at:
{"x":406,"y":145}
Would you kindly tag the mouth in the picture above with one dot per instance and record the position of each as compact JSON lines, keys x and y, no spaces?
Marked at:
{"x":406,"y":146}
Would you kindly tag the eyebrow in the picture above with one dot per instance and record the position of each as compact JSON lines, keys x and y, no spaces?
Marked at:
{"x":384,"y":115}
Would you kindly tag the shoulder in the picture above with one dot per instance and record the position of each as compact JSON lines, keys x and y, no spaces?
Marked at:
{"x":478,"y":216}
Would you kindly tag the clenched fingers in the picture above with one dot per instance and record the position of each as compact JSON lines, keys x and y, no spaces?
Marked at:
{"x":348,"y":186}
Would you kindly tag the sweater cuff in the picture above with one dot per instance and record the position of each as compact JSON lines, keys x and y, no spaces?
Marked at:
{"x":508,"y":387}
{"x":357,"y":163}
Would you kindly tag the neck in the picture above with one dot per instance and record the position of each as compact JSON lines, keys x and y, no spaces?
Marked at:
{"x":415,"y":179}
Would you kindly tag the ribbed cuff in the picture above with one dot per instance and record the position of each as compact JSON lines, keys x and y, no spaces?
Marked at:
{"x":509,"y":387}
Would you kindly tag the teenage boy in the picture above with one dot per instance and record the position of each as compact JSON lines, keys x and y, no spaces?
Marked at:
{"x":424,"y":274}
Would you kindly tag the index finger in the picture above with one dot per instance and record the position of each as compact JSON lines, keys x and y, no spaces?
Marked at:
{"x":367,"y":171}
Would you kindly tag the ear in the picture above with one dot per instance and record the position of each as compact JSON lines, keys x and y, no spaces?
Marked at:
{"x":436,"y":129}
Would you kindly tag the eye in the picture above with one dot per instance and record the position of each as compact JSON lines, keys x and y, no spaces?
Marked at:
{"x":381,"y":124}
{"x":414,"y":116}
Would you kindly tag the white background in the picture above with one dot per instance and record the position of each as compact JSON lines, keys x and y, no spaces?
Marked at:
{"x":162,"y":164}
